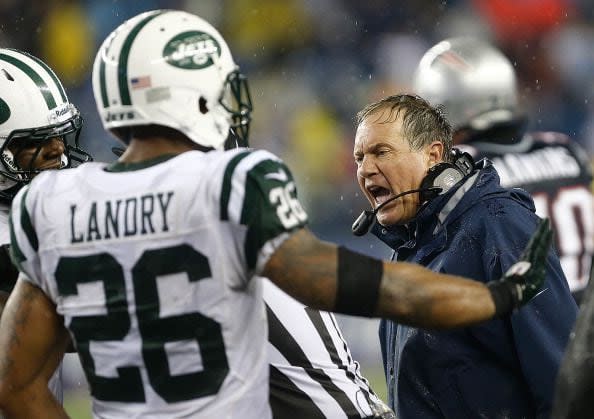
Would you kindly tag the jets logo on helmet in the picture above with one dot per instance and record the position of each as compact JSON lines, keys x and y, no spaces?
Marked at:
{"x":192,"y":50}
{"x":34,"y":109}
{"x":4,"y":111}
{"x":195,"y":86}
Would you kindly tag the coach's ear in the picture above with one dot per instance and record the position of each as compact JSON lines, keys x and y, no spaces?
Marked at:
{"x":434,"y":152}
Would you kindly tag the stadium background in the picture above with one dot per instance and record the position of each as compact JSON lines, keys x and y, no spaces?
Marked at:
{"x":312,"y":64}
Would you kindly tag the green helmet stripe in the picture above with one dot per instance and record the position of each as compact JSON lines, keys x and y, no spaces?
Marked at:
{"x":17,"y":255}
{"x":124,"y":53}
{"x":102,"y":80}
{"x":103,"y":84}
{"x":43,"y":87}
{"x":49,"y":70}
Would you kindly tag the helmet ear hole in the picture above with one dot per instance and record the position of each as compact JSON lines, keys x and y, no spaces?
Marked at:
{"x":202,"y":105}
{"x":7,"y":75}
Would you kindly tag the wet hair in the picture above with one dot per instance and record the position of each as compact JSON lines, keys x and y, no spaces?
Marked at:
{"x":421,"y":123}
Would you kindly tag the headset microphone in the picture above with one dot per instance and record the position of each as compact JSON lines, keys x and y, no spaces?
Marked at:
{"x":440,"y":177}
{"x":365,"y":220}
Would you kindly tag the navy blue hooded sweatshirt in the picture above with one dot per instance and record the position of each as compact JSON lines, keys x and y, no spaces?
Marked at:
{"x":504,"y":368}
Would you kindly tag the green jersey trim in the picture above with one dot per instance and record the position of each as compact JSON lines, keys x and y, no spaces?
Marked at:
{"x":226,"y":189}
{"x":270,"y":207}
{"x":27,"y":224}
{"x":130,"y":167}
{"x":16,"y":254}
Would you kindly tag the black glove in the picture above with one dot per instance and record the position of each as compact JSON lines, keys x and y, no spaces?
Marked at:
{"x":525,"y":278}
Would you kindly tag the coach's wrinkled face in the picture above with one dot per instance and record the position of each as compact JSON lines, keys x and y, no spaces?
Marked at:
{"x":387,"y":166}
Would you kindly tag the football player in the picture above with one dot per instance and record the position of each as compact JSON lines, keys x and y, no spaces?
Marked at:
{"x":39,"y":130}
{"x":477,"y":85}
{"x":151,"y":263}
{"x":312,"y":371}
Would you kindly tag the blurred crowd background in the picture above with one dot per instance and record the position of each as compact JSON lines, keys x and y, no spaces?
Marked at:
{"x":312,"y":64}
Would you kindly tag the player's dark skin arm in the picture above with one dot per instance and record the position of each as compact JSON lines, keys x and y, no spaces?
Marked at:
{"x":306,"y":268}
{"x":33,"y":340}
{"x":3,"y":297}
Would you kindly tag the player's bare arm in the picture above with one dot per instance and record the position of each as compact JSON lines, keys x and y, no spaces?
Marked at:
{"x":33,"y":341}
{"x":8,"y":275}
{"x":3,"y":297}
{"x":404,"y":292}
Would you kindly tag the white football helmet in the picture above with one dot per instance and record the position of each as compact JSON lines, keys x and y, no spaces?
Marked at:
{"x":174,"y":69}
{"x":34,"y":108}
{"x":474,"y":81}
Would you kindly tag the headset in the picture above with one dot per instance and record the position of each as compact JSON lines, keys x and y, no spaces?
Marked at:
{"x":439,"y":178}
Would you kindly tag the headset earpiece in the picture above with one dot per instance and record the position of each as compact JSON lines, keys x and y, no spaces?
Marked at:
{"x":445,"y":175}
{"x":462,"y":160}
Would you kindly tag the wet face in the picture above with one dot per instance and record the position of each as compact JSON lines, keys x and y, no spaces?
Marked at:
{"x":387,"y":166}
{"x":35,"y":157}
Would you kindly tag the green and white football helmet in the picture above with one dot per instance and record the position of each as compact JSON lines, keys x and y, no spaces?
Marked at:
{"x":174,"y":69}
{"x":34,"y":109}
{"x":474,"y":82}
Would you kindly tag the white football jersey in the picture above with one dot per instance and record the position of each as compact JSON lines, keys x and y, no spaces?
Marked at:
{"x":151,"y":266}
{"x":4,"y":231}
{"x":55,"y":382}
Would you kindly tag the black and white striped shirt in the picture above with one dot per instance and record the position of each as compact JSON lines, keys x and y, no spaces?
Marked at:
{"x":312,"y":372}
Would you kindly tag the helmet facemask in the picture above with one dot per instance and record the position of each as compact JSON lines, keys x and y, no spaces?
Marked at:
{"x":39,"y":127}
{"x":236,"y":100}
{"x":28,"y":143}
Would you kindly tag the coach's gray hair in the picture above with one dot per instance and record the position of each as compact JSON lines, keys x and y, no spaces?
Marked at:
{"x":422,"y":123}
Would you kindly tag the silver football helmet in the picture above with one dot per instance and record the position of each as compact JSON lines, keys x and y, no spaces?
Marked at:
{"x":174,"y":69}
{"x":34,"y":110}
{"x":474,"y":81}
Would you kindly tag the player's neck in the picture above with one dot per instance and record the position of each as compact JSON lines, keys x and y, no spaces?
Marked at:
{"x":150,"y":148}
